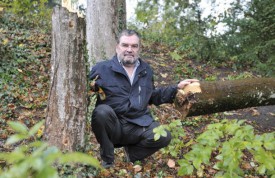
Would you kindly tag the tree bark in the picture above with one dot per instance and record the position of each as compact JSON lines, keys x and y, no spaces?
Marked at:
{"x":220,"y":96}
{"x":67,"y":102}
{"x":105,"y":18}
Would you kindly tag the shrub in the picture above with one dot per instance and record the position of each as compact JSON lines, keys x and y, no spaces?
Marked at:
{"x":34,"y":158}
{"x":229,"y":140}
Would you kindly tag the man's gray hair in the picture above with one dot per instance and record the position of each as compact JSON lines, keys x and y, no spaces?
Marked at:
{"x":127,"y":32}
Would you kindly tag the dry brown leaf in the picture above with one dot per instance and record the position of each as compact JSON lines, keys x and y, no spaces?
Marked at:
{"x":211,"y":171}
{"x":11,"y":106}
{"x":105,"y":173}
{"x":246,"y":166}
{"x":171,"y":163}
{"x":255,"y":112}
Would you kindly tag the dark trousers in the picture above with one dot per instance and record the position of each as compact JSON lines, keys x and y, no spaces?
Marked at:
{"x":111,"y":132}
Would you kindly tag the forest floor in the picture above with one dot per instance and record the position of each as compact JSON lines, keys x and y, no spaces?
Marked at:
{"x":24,"y":98}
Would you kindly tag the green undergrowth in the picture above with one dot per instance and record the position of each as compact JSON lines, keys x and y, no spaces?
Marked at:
{"x":226,"y":144}
{"x":229,"y":148}
{"x":23,"y":67}
{"x":34,"y":158}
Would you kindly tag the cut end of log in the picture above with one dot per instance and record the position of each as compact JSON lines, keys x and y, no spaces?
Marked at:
{"x":194,"y":87}
{"x":185,"y":97}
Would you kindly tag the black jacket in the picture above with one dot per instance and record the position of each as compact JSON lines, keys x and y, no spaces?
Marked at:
{"x":130,"y":102}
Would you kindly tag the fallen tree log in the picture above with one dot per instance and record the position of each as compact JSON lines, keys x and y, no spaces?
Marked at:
{"x":220,"y":96}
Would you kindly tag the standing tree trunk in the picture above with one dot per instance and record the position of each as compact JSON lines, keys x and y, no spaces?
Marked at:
{"x":105,"y":18}
{"x":67,"y":104}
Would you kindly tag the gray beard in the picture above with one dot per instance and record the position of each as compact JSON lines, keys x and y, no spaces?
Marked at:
{"x":128,"y":63}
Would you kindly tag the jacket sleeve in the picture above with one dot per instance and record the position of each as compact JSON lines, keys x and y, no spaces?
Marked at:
{"x":163,"y":95}
{"x":93,"y":72}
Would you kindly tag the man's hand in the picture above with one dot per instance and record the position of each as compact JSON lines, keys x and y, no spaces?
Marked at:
{"x":186,"y":82}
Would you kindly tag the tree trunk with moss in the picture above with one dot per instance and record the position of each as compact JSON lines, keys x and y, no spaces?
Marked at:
{"x":220,"y":96}
{"x":67,"y":102}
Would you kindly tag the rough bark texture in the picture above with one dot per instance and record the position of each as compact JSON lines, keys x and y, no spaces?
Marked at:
{"x":67,"y":105}
{"x":220,"y":96}
{"x":105,"y":18}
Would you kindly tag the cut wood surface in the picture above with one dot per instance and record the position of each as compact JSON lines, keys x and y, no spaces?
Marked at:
{"x":220,"y":96}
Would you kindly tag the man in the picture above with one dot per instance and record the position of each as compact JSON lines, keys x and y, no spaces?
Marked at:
{"x":121,"y":116}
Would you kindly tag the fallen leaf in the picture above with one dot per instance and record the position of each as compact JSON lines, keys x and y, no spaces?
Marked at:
{"x":200,"y":173}
{"x":231,"y":113}
{"x":137,"y":168}
{"x":105,"y":173}
{"x":255,"y":112}
{"x":5,"y":41}
{"x":171,"y":163}
{"x":246,"y":166}
{"x":164,"y":75}
{"x":11,"y":106}
{"x":252,"y":164}
{"x":211,"y":171}
{"x":40,"y":131}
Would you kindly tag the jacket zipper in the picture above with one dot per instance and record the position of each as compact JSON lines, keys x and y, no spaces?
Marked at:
{"x":139,"y":92}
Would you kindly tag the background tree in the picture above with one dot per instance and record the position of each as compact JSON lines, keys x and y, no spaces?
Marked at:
{"x":104,"y":20}
{"x":258,"y":36}
{"x":247,"y":39}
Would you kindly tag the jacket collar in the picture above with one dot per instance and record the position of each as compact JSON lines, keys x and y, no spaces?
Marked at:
{"x":117,"y":67}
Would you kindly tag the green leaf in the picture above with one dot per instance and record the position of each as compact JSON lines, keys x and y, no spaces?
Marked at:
{"x":47,"y":172}
{"x":217,"y":166}
{"x":79,"y":158}
{"x":18,"y":127}
{"x":51,"y":154}
{"x":185,"y":168}
{"x":15,"y":138}
{"x":175,"y":56}
{"x":219,"y":157}
{"x":36,"y":127}
{"x":261,"y":169}
{"x":12,"y":157}
{"x":220,"y":174}
{"x":269,"y":145}
{"x":37,"y":163}
{"x":36,"y":144}
{"x":197,"y":163}
{"x":164,"y":133}
{"x":190,"y":156}
{"x":159,"y":131}
{"x":156,"y":136}
{"x":206,"y":154}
